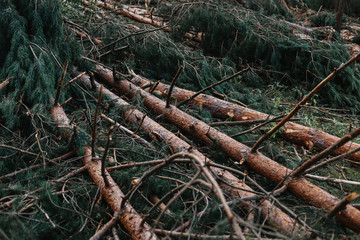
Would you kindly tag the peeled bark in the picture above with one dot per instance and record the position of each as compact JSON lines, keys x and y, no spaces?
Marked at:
{"x":275,"y":217}
{"x":300,"y":187}
{"x":293,"y":132}
{"x":129,"y":218}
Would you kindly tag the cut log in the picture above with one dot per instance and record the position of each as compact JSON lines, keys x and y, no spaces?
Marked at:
{"x":275,"y":217}
{"x":293,"y":132}
{"x":300,"y":187}
{"x":129,"y":218}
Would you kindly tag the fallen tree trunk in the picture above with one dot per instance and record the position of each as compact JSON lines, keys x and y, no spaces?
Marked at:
{"x":275,"y":217}
{"x":300,"y":187}
{"x":128,"y":217}
{"x":293,"y":132}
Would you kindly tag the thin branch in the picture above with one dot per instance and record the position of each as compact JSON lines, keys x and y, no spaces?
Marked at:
{"x":131,"y":133}
{"x":274,"y":119}
{"x":74,"y":79}
{"x":172,"y":86}
{"x":59,"y":87}
{"x":99,"y":234}
{"x":211,"y":86}
{"x":4,"y":83}
{"x":334,"y":180}
{"x":303,"y":101}
{"x":103,"y":159}
{"x":93,"y":136}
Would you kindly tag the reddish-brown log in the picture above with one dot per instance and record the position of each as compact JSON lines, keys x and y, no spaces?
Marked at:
{"x":300,"y":187}
{"x":293,"y":132}
{"x":113,"y":195}
{"x":275,"y":217}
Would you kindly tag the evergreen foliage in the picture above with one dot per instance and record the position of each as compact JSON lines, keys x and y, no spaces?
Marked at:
{"x":32,"y":52}
{"x":352,"y":7}
{"x":32,"y":36}
{"x":244,"y":36}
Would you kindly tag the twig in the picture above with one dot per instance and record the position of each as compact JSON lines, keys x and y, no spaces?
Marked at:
{"x":211,"y":86}
{"x":192,"y":235}
{"x":140,"y":124}
{"x":235,"y":123}
{"x":152,"y":89}
{"x":327,"y":179}
{"x":19,"y":150}
{"x":103,"y":159}
{"x":274,"y":119}
{"x":131,"y":133}
{"x":342,"y":204}
{"x":74,"y":79}
{"x":93,"y":136}
{"x":59,"y":87}
{"x":71,"y":174}
{"x":98,"y":235}
{"x":172,"y":86}
{"x":4,"y":83}
{"x":303,"y":101}
{"x":47,"y":216}
{"x":66,"y":102}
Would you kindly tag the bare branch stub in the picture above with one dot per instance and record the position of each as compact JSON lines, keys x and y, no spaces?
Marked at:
{"x":93,"y":136}
{"x":172,"y":85}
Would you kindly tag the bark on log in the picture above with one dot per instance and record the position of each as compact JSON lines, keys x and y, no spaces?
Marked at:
{"x":129,"y":218}
{"x":300,"y":187}
{"x":275,"y":217}
{"x":293,"y":132}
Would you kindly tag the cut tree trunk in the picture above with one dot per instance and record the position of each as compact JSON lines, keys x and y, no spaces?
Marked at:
{"x":293,"y":132}
{"x":300,"y":187}
{"x":274,"y":216}
{"x":129,"y":218}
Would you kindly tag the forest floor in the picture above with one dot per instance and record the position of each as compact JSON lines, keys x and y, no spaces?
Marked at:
{"x":108,"y":149}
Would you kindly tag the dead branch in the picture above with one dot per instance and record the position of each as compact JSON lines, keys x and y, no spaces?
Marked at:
{"x":4,"y":83}
{"x":59,"y":87}
{"x":99,"y":234}
{"x":74,"y":79}
{"x":172,"y":85}
{"x":334,"y":180}
{"x":131,"y":133}
{"x":300,"y":187}
{"x":211,"y":86}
